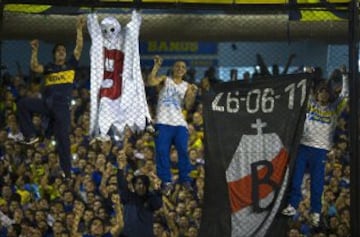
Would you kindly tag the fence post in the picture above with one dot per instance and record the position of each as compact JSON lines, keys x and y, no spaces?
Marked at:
{"x":1,"y":30}
{"x":354,"y":108}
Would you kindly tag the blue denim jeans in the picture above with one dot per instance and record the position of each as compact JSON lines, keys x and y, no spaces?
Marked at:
{"x":313,"y":159}
{"x":168,"y":135}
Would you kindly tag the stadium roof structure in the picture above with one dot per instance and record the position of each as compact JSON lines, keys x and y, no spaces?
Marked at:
{"x":186,"y":20}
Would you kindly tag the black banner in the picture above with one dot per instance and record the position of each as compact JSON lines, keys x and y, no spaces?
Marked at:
{"x":251,"y":134}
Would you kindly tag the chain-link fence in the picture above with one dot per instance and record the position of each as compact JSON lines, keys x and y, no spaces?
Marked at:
{"x":91,"y":89}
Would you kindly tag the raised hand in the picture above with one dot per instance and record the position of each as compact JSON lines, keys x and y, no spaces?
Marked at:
{"x":155,"y":180}
{"x":158,"y":60}
{"x":34,"y":44}
{"x":115,"y":198}
{"x":79,"y":209}
{"x":121,"y":159}
{"x":193,"y":88}
{"x":343,"y":69}
{"x":135,"y":15}
{"x":81,"y":21}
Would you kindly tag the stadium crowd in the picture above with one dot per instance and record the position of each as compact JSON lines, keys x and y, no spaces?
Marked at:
{"x":36,"y":200}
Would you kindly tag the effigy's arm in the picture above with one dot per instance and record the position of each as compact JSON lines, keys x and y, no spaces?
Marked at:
{"x":93,"y":26}
{"x":96,"y":68}
{"x":133,"y":84}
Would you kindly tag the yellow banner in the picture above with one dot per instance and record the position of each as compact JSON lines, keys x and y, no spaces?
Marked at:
{"x":322,"y":14}
{"x":212,"y":1}
{"x":28,"y":8}
{"x":31,"y":8}
{"x":116,"y":0}
{"x":231,"y":1}
{"x":192,"y":1}
{"x":318,"y":1}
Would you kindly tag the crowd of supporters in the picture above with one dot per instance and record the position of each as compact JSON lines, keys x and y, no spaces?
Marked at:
{"x":36,"y":201}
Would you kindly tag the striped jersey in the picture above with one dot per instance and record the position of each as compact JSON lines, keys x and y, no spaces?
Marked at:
{"x":320,"y":121}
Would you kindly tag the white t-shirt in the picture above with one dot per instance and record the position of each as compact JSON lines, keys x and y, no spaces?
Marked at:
{"x":170,"y":103}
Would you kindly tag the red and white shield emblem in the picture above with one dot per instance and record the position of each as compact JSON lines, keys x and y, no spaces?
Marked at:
{"x":257,"y":178}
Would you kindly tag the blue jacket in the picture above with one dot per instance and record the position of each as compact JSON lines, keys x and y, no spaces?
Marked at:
{"x":138,"y":210}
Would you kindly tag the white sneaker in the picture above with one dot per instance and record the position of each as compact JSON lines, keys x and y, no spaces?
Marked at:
{"x":150,"y":129}
{"x":16,"y":137}
{"x":315,"y":219}
{"x":166,"y":188}
{"x":30,"y":141}
{"x":289,"y":211}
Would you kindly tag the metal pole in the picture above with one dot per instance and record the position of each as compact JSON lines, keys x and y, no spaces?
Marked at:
{"x":354,"y":124}
{"x":1,"y":29}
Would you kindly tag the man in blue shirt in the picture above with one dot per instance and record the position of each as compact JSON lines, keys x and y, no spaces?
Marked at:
{"x":59,"y":76}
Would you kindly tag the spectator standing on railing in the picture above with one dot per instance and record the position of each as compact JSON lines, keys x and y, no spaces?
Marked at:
{"x":171,"y":126}
{"x":315,"y":143}
{"x":59,"y":76}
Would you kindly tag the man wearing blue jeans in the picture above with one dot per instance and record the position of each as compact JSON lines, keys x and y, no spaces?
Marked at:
{"x":314,"y":159}
{"x":316,"y":141}
{"x":171,"y":126}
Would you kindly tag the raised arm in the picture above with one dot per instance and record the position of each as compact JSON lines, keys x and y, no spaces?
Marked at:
{"x":345,"y":82}
{"x":78,"y":212}
{"x":93,"y":26}
{"x":190,"y":96}
{"x":134,"y":25}
{"x":263,"y":68}
{"x":174,"y":230}
{"x":105,"y":177}
{"x":342,"y":100}
{"x":119,"y":223}
{"x":153,"y":79}
{"x":35,"y":66}
{"x":122,"y":183}
{"x":288,"y":63}
{"x":155,"y":198}
{"x":79,"y":37}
